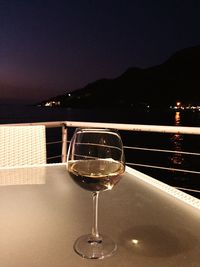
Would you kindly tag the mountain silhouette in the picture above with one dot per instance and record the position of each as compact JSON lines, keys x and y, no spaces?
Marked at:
{"x":178,"y":78}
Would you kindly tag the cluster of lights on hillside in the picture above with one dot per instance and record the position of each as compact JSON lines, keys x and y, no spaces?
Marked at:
{"x":180,"y":106}
{"x":52,"y":104}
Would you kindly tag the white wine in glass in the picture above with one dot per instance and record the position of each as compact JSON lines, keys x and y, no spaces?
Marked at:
{"x":95,"y":161}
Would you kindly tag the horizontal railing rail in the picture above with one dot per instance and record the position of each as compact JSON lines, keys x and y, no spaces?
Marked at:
{"x":64,"y":141}
{"x":119,"y":126}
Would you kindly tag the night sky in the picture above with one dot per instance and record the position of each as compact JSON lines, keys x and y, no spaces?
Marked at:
{"x":50,"y":47}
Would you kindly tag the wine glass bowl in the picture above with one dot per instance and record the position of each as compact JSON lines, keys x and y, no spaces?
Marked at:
{"x":95,"y":162}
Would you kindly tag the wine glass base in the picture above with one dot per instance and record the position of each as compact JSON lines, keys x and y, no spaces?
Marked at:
{"x":94,"y":250}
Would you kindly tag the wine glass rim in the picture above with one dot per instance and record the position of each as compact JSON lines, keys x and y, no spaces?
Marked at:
{"x":96,"y":130}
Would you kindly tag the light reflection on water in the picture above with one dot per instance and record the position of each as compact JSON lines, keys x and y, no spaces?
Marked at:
{"x":177,"y":143}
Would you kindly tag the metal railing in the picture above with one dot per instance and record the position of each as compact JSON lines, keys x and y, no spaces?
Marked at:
{"x":65,"y":139}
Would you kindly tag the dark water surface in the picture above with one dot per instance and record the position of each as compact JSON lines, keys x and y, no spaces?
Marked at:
{"x":14,"y":113}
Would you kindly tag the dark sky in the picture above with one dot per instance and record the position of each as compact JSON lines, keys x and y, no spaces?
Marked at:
{"x":51,"y":47}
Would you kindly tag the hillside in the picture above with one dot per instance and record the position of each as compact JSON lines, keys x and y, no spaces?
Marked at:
{"x":176,"y":79}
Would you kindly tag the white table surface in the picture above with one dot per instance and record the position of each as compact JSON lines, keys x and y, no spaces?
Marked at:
{"x":42,"y":213}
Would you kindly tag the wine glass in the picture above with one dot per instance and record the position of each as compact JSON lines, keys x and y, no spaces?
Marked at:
{"x":95,"y":161}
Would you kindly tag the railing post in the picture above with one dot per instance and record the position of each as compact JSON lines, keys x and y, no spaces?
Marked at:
{"x":64,"y":143}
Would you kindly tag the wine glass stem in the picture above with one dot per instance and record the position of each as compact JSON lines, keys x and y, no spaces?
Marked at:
{"x":95,"y":234}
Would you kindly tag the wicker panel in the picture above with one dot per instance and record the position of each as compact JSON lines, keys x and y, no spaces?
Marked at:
{"x":22,"y":145}
{"x":22,"y":175}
